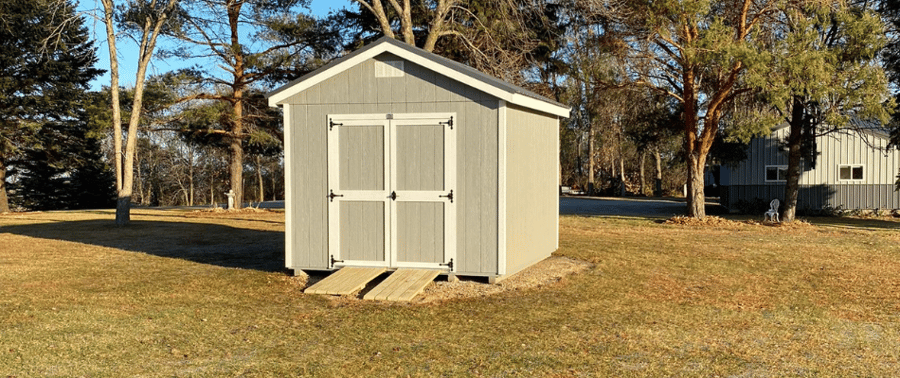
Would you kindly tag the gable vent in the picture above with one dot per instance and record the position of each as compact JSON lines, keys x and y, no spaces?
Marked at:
{"x":390,"y":68}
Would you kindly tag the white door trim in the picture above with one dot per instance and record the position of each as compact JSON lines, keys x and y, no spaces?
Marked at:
{"x":389,"y":123}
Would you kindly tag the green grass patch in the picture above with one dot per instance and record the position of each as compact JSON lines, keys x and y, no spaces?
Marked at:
{"x":203,"y":295}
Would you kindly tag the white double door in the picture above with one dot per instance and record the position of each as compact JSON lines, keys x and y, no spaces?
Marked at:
{"x":391,"y":182}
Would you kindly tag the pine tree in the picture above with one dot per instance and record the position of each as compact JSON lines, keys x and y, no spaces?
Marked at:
{"x":46,"y":63}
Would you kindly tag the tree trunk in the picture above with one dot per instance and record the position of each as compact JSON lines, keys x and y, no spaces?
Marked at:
{"x":236,"y":168}
{"x":643,"y":178}
{"x":591,"y":169}
{"x":191,"y":182}
{"x":259,"y":177}
{"x":114,"y":90}
{"x":378,"y":10}
{"x":212,"y":190}
{"x":406,"y":28}
{"x":123,"y":200}
{"x":696,"y":201}
{"x":657,"y":187}
{"x":436,"y":27}
{"x":795,"y":139}
{"x":275,"y":181}
{"x":4,"y":201}
{"x":621,"y":175}
{"x":150,"y":31}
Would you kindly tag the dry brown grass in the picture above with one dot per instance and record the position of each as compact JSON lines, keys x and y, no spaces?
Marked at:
{"x":194,"y":294}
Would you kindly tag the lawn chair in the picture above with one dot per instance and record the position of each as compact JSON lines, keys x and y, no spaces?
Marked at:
{"x":772,"y":214}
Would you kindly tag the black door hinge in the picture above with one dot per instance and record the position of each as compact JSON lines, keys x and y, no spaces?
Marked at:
{"x":449,"y":265}
{"x":332,"y":195}
{"x":334,"y":261}
{"x":448,"y":123}
{"x":332,"y":124}
{"x":450,"y":196}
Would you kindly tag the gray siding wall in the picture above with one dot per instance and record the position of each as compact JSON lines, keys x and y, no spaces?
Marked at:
{"x":819,"y":187}
{"x":532,"y":197}
{"x":358,"y":91}
{"x":880,"y":165}
{"x":817,"y":197}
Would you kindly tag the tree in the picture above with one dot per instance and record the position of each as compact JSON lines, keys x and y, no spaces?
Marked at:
{"x":890,"y":56}
{"x":46,"y":63}
{"x":149,"y":19}
{"x":66,"y":169}
{"x":827,"y":55}
{"x":216,"y":28}
{"x":432,"y":23}
{"x":514,"y":40}
{"x":694,"y":51}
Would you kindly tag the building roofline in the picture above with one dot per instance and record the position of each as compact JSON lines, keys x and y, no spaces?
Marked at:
{"x":498,"y":88}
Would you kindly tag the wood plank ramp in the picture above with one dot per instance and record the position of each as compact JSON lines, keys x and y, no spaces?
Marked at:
{"x":402,"y":285}
{"x":345,"y":281}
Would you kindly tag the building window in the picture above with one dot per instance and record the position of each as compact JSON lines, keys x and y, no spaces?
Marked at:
{"x":776,"y":173}
{"x":850,"y":172}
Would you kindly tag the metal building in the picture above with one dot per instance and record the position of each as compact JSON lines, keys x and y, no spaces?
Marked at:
{"x":855,"y":169}
{"x":399,"y":158}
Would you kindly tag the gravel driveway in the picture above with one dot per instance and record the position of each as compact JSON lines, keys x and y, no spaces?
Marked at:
{"x":635,"y":207}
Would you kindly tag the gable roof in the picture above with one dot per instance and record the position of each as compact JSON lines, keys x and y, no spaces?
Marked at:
{"x":455,"y":70}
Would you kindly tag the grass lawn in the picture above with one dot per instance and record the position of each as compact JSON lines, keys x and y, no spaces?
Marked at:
{"x":203,"y":295}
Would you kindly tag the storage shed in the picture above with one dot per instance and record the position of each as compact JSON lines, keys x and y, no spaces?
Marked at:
{"x":399,"y":158}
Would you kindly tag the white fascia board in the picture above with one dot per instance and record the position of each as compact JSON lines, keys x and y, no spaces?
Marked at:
{"x":541,"y":106}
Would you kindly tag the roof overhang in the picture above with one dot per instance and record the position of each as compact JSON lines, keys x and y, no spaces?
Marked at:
{"x":456,"y":71}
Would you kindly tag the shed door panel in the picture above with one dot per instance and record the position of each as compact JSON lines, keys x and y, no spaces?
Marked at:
{"x":362,"y":157}
{"x":420,"y":232}
{"x":362,"y":231}
{"x":421,"y":163}
{"x":358,"y":208}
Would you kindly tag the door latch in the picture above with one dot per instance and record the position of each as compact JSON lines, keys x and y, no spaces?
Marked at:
{"x":449,"y":195}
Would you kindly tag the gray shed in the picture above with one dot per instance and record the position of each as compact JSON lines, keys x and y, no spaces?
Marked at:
{"x":399,"y":158}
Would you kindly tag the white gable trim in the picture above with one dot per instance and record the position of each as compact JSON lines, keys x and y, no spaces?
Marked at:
{"x":382,"y":47}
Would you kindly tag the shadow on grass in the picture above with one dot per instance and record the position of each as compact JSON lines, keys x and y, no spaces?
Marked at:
{"x":853,"y":222}
{"x":204,"y":243}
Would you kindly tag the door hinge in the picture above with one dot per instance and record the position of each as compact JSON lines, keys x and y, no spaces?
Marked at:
{"x":332,"y":195}
{"x":334,"y":261}
{"x":393,"y":196}
{"x":450,"y":196}
{"x":332,"y":124}
{"x":449,"y":265}
{"x":448,"y":123}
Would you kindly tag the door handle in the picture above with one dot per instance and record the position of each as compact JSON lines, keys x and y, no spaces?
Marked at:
{"x":393,"y":196}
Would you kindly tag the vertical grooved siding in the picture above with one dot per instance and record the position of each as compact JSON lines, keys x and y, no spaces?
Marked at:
{"x":532,"y":194}
{"x":820,"y":186}
{"x":357,"y":91}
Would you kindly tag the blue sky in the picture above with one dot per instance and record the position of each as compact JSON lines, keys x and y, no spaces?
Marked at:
{"x":128,"y":50}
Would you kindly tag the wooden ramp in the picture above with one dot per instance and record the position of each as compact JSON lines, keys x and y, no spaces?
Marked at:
{"x":402,"y":286}
{"x":345,"y":281}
